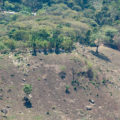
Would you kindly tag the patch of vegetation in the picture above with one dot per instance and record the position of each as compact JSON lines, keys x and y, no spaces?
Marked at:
{"x":57,"y":25}
{"x":90,"y":74}
{"x":67,"y":89}
{"x":11,"y":117}
{"x":27,"y":89}
{"x":62,"y":75}
{"x":37,"y":118}
{"x":62,"y":68}
{"x":39,"y":79}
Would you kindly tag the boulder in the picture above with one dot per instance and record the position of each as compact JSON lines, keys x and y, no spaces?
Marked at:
{"x":4,"y":111}
{"x":88,"y":108}
{"x":91,"y":101}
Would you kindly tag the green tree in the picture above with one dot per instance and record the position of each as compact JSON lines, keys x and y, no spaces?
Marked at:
{"x":117,"y":40}
{"x":44,"y":45}
{"x":98,"y":38}
{"x":67,"y":44}
{"x":57,"y":38}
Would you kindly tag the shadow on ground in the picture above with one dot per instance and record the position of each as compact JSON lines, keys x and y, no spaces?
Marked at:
{"x":101,"y":56}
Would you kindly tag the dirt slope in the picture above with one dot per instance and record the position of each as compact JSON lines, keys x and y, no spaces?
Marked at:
{"x":48,"y":98}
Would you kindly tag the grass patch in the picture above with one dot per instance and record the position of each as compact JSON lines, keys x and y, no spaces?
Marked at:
{"x":62,"y":68}
{"x":11,"y":117}
{"x":37,"y":118}
{"x":39,"y":79}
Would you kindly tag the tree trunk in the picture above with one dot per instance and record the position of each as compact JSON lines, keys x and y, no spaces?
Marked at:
{"x":3,"y":3}
{"x":97,"y":49}
{"x":34,"y":50}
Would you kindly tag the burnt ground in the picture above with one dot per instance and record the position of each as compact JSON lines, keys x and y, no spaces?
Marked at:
{"x":88,"y":99}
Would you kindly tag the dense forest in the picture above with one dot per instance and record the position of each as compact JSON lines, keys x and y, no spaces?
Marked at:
{"x":57,"y":24}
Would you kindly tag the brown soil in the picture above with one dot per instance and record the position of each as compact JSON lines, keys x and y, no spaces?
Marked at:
{"x":48,"y":97}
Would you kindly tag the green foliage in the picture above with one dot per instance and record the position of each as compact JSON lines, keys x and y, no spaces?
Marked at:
{"x":67,"y":91}
{"x":2,"y":46}
{"x":19,"y":35}
{"x":67,"y":44}
{"x":89,"y":64}
{"x":116,"y":41}
{"x":59,"y":23}
{"x":10,"y":44}
{"x":62,"y":68}
{"x":27,"y":89}
{"x":9,"y":6}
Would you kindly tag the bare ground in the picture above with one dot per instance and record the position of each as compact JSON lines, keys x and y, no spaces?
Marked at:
{"x":48,"y":98}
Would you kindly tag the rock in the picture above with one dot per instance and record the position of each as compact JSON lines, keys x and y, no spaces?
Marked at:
{"x":9,"y":90}
{"x":23,"y":80}
{"x":28,"y":64}
{"x":88,"y":108}
{"x":30,"y":96}
{"x":91,"y":101}
{"x":25,"y":74}
{"x":4,"y":111}
{"x":48,"y":113}
{"x":8,"y":106}
{"x":45,"y":79}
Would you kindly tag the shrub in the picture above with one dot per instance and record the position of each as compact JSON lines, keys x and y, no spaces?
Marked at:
{"x":89,"y":64}
{"x":90,"y":73}
{"x":67,"y":44}
{"x":62,"y":75}
{"x":10,"y":44}
{"x":2,"y":46}
{"x":67,"y":91}
{"x":62,"y":68}
{"x":19,"y":35}
{"x":27,"y":89}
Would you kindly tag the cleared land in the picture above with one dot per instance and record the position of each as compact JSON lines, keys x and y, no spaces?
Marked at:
{"x":48,"y":98}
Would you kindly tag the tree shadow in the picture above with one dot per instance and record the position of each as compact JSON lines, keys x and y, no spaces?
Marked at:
{"x":101,"y":56}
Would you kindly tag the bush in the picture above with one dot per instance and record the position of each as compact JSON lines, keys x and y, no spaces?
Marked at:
{"x":27,"y":89}
{"x":67,"y":44}
{"x":67,"y":91}
{"x":19,"y":35}
{"x":10,"y":44}
{"x":2,"y":46}
{"x":90,"y":74}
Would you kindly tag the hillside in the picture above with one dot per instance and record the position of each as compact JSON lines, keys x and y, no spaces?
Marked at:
{"x":58,"y":25}
{"x":59,"y":59}
{"x":49,"y":99}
